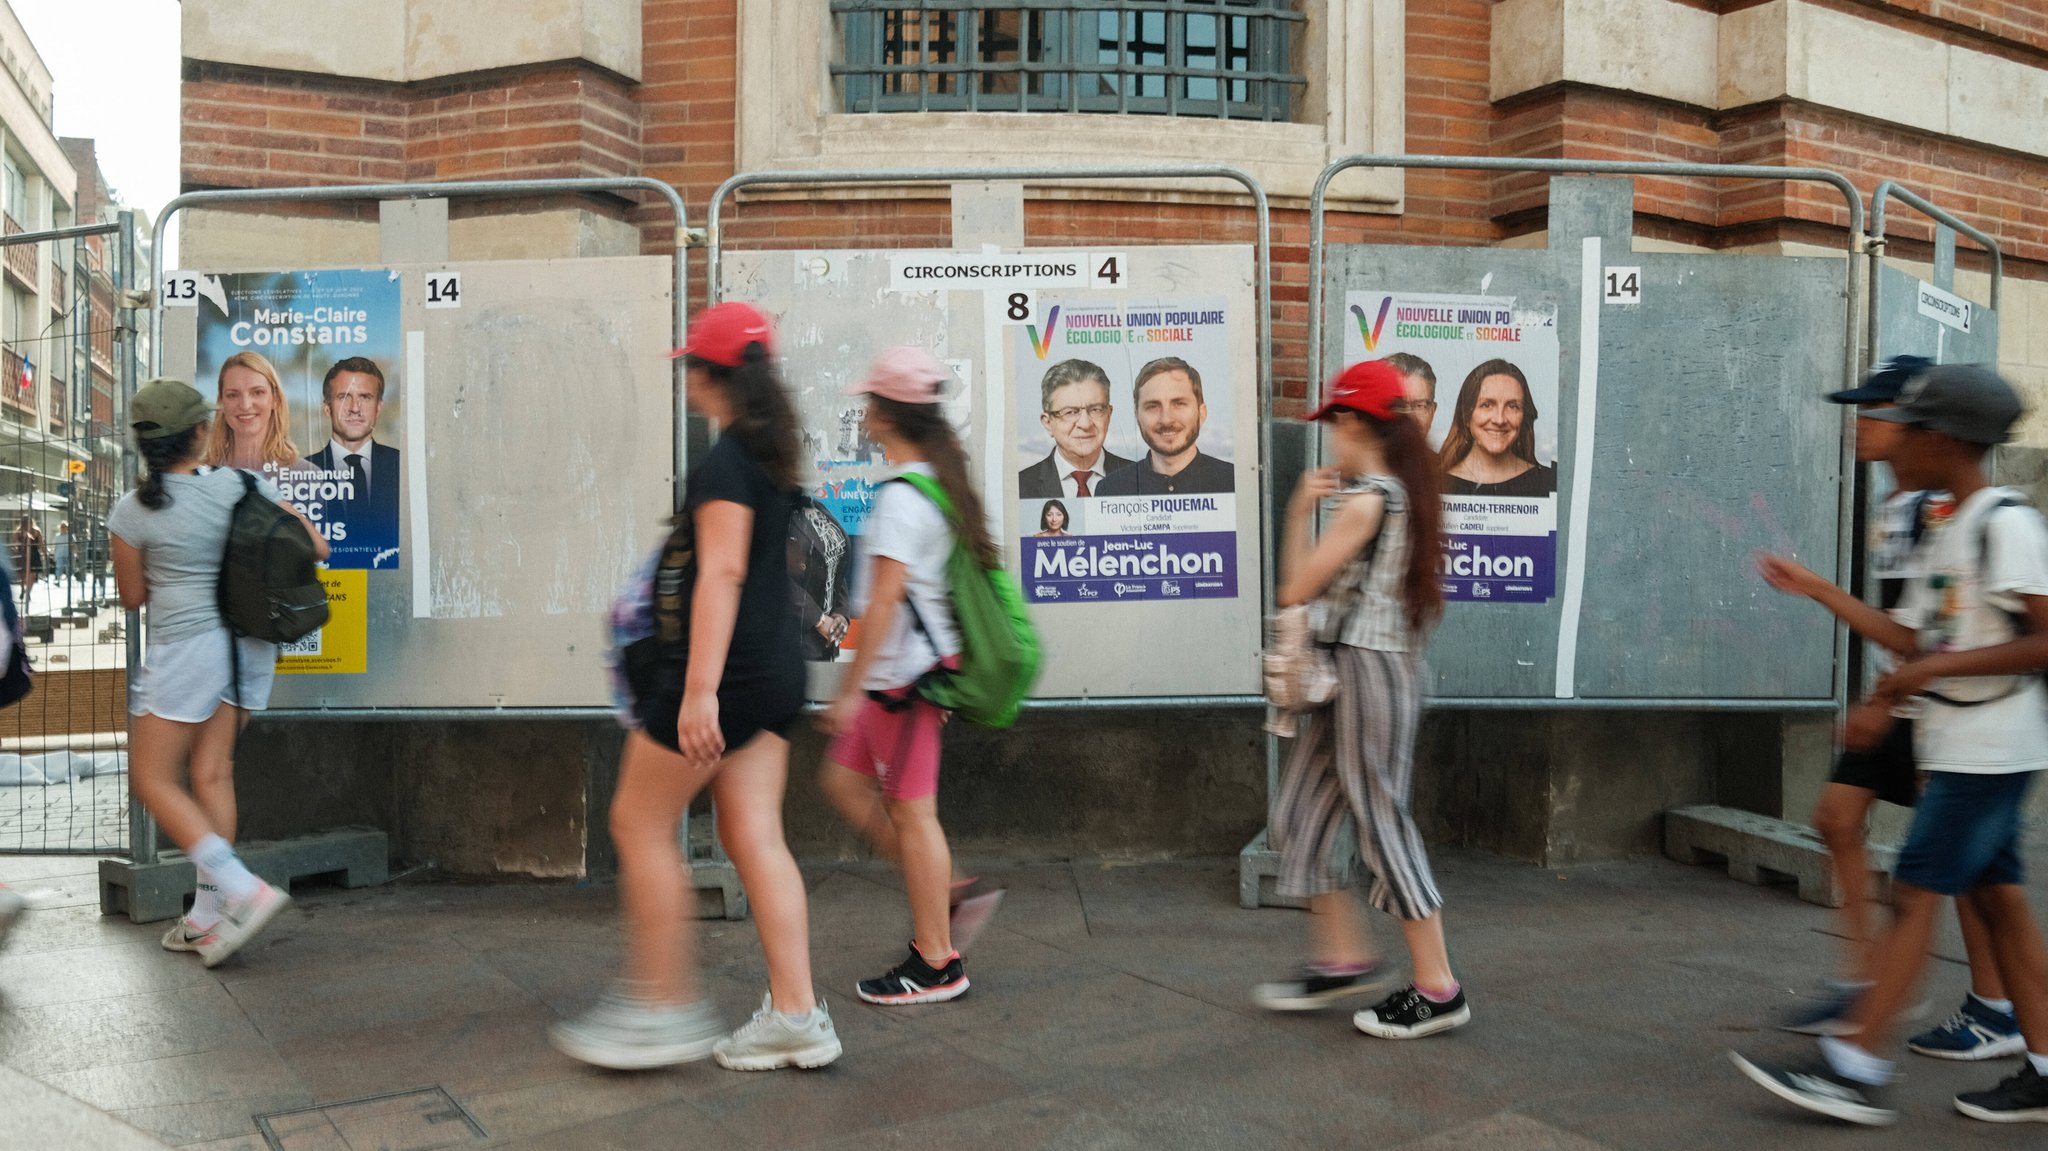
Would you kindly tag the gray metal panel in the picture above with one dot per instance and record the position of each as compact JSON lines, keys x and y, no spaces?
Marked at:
{"x":550,"y":429}
{"x":1902,"y":329}
{"x":1710,"y":442}
{"x":1713,"y":443}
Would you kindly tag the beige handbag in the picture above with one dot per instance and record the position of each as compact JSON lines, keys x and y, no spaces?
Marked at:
{"x":1300,"y":671}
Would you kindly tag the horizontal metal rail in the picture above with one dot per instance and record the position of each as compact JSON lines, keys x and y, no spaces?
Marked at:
{"x":422,"y":191}
{"x":70,"y":233}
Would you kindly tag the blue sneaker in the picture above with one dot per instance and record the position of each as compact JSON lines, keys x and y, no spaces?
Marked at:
{"x":1974,"y":1032}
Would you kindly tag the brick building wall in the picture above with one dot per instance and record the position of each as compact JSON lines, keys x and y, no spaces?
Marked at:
{"x":678,"y":121}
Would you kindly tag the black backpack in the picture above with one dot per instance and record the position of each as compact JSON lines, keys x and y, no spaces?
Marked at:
{"x":270,"y":585}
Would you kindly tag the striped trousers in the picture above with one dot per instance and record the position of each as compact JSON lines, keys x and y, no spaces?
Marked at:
{"x":1356,"y":764}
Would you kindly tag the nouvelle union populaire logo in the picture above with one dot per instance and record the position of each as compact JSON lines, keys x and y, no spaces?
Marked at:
{"x":1371,"y":333}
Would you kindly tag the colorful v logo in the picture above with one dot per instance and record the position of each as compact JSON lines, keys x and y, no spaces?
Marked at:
{"x":1371,"y":335}
{"x":1042,"y":346}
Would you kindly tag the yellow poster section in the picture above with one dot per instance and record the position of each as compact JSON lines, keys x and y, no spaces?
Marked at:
{"x":343,"y":646}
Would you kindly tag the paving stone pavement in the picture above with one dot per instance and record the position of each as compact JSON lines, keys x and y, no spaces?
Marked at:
{"x":1109,"y":1010}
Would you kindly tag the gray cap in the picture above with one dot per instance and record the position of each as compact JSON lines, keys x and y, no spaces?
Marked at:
{"x":1967,"y":401}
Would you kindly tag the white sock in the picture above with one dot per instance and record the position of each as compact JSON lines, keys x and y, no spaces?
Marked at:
{"x":2040,"y":1063}
{"x":1853,"y":1062}
{"x":205,"y":904}
{"x":218,"y":862}
{"x":796,"y":1018}
{"x":2002,"y":1006}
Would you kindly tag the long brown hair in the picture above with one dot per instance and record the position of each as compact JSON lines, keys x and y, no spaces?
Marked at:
{"x":1458,"y":442}
{"x":925,"y":426}
{"x":1415,"y":465}
{"x":278,"y":447}
{"x":763,"y":419}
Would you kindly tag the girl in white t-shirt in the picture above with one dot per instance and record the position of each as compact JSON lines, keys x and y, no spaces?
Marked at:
{"x":187,"y":701}
{"x":882,"y":771}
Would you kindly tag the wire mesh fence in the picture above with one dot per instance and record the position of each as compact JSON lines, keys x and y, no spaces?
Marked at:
{"x":63,"y":340}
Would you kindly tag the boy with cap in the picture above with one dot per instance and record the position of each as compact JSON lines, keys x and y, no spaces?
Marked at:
{"x":1972,"y":632}
{"x":1983,"y":1027}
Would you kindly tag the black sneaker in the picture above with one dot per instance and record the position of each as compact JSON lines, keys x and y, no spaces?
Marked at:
{"x":1312,"y":989}
{"x":2021,"y":1098}
{"x":1409,"y":1014}
{"x":915,"y":981}
{"x":1816,"y":1087}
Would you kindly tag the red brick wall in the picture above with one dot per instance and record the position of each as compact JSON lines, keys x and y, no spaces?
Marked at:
{"x":250,"y":128}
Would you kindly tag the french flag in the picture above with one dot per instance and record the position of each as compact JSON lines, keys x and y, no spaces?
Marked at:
{"x":28,"y":374}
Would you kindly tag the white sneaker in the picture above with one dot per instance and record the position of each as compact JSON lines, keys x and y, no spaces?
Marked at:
{"x":11,"y":907}
{"x":182,"y":936}
{"x":770,"y":1040}
{"x":629,"y":1034}
{"x":240,"y":920}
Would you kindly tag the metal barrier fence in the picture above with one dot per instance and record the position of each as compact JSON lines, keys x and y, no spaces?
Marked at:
{"x":68,"y":364}
{"x":1263,"y":276}
{"x":708,"y":860}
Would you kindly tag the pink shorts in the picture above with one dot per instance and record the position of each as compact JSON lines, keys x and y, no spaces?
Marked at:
{"x":898,"y":748}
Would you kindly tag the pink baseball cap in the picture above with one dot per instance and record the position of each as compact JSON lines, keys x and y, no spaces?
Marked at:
{"x":908,"y":375}
{"x":720,"y":334}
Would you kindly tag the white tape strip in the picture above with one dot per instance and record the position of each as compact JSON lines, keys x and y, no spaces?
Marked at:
{"x":418,"y":548}
{"x":1575,"y":541}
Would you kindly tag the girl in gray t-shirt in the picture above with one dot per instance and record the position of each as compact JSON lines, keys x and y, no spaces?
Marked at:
{"x":187,"y":704}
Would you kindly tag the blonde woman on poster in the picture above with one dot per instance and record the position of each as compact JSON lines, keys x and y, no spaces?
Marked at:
{"x":1491,"y":447}
{"x":251,"y":429}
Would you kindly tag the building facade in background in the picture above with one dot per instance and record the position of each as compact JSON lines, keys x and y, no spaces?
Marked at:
{"x":1950,"y":97}
{"x":44,"y":415}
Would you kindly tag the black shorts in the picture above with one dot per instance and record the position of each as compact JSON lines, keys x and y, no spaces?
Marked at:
{"x":1889,"y":769}
{"x":770,"y":700}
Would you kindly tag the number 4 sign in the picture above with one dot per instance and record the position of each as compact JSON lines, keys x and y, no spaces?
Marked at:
{"x":1106,"y":270}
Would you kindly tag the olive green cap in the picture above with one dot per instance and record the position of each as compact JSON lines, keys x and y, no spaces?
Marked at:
{"x":164,"y":407}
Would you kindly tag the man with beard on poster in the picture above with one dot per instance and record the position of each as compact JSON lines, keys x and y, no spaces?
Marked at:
{"x":353,"y":396}
{"x":1075,"y":398}
{"x":1171,"y":411}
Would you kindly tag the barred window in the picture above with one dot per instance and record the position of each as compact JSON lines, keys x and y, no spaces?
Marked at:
{"x":1222,"y":59}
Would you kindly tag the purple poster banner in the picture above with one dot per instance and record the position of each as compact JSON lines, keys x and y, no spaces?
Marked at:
{"x":1172,"y":565}
{"x":1500,"y":568}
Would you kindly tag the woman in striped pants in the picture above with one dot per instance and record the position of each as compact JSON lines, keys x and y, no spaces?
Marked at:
{"x":1354,"y":767}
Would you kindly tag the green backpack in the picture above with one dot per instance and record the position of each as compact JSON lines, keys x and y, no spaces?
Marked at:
{"x":998,"y":648}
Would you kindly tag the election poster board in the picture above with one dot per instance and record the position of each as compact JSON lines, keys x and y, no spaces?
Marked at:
{"x":1119,"y":612}
{"x":1488,"y":366}
{"x":304,"y":368}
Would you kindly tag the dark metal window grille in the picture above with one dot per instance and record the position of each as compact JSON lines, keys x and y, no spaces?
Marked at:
{"x":1221,"y":59}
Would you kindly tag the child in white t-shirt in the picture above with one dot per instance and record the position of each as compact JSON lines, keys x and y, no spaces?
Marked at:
{"x":1972,"y":632}
{"x":885,"y":750}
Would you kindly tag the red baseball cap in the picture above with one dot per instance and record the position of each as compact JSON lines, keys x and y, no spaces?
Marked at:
{"x":720,"y":334}
{"x":1372,"y":387}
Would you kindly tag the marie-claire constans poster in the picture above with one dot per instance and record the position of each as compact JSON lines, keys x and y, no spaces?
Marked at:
{"x":303,"y":367}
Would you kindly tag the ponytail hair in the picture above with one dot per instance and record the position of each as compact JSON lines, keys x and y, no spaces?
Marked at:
{"x":763,"y":419}
{"x":925,"y":426}
{"x":162,"y":454}
{"x":1409,"y":457}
